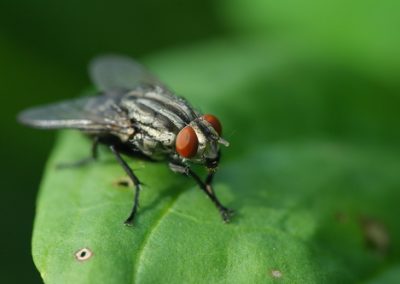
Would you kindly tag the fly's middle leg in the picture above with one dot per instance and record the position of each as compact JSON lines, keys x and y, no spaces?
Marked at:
{"x":136,"y":182}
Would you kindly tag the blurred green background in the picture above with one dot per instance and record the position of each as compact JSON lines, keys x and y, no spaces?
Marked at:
{"x":338,"y":68}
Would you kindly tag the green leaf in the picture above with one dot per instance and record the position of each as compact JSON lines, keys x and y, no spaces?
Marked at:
{"x":300,"y":195}
{"x":286,"y":218}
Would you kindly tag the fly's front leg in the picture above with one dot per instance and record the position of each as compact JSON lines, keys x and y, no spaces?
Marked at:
{"x":226,"y":213}
{"x":93,"y":157}
{"x":211,"y":166}
{"x":136,"y":182}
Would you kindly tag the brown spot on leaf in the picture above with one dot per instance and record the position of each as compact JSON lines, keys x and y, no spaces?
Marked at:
{"x":83,"y":254}
{"x":124,"y":182}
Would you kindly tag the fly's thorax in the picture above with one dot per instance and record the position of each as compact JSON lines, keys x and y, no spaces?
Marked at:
{"x":150,"y":146}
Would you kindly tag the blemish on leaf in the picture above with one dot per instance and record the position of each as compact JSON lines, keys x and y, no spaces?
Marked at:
{"x":276,"y":273}
{"x":124,"y":182}
{"x":83,"y":254}
{"x":375,"y":234}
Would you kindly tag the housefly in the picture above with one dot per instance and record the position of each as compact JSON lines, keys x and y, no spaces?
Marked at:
{"x":134,"y":113}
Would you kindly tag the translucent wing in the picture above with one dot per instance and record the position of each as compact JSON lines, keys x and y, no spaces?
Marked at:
{"x":113,"y":72}
{"x":98,"y":114}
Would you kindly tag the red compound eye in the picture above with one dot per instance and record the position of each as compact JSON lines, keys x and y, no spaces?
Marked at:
{"x":214,"y":123}
{"x":186,"y":142}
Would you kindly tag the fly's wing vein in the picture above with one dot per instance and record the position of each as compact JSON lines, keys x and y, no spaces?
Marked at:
{"x":99,"y":114}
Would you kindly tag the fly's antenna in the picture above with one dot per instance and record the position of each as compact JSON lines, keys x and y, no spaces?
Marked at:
{"x":222,"y":141}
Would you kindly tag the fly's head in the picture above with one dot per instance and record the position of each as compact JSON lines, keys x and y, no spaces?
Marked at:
{"x":199,"y":141}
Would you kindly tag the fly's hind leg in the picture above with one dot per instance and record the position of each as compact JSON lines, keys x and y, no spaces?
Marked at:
{"x":226,"y":213}
{"x":136,"y":182}
{"x":85,"y":161}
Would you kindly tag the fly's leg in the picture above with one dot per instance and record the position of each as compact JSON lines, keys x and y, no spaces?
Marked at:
{"x":212,"y":165}
{"x":212,"y":168}
{"x":85,"y":161}
{"x":136,"y":182}
{"x":226,"y":213}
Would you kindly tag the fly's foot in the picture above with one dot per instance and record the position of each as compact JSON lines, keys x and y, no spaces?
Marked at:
{"x":226,"y":214}
{"x":129,"y":222}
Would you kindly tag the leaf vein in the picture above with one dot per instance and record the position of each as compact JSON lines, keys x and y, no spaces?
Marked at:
{"x":146,"y":239}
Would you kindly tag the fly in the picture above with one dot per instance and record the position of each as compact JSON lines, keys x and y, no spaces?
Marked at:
{"x":135,"y":113}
